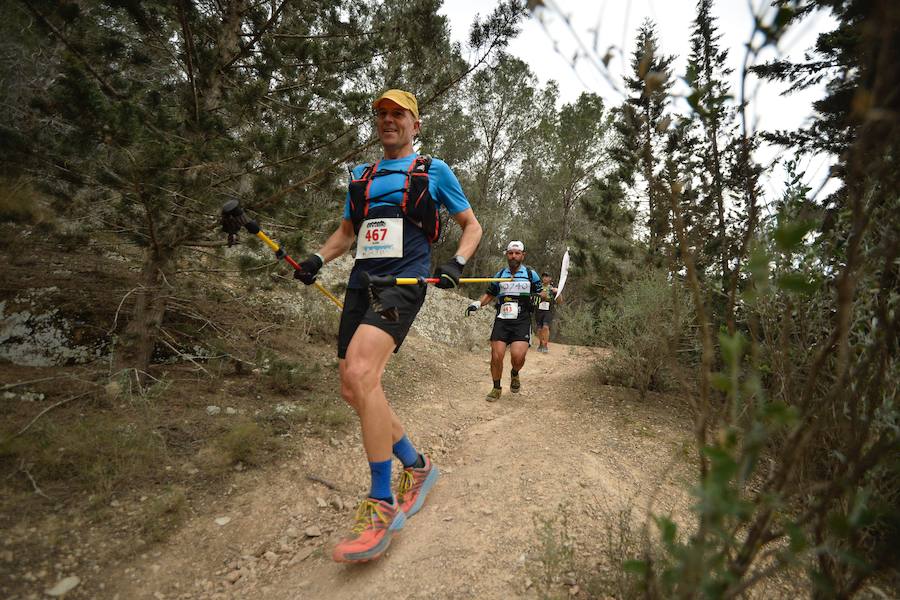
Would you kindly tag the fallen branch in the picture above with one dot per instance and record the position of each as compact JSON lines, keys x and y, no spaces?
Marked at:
{"x":46,"y":410}
{"x":116,"y":316}
{"x":185,"y":356}
{"x":10,"y":386}
{"x":266,"y":328}
{"x":324,"y":482}
{"x":24,"y":469}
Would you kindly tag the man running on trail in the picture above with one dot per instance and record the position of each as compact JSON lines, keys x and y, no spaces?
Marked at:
{"x":391,"y":209}
{"x":543,"y":313}
{"x":512,"y":325}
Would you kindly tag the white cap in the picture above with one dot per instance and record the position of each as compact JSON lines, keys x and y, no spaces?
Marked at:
{"x":515,"y":245}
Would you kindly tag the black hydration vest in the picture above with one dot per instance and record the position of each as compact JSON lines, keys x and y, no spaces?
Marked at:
{"x":417,"y":205}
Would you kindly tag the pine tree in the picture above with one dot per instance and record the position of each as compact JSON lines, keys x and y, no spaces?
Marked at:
{"x":162,"y":110}
{"x":643,"y":125}
{"x":707,"y":74}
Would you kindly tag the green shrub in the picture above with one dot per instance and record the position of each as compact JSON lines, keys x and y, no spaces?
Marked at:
{"x":285,"y":377}
{"x":99,"y":454}
{"x":555,"y":554}
{"x":620,"y":546}
{"x":577,"y":324}
{"x":329,"y":415}
{"x":295,"y":245}
{"x":163,"y":514}
{"x":249,"y":264}
{"x":644,"y":326}
{"x":245,"y":442}
{"x":72,"y":239}
{"x":321,"y":316}
{"x":19,"y":203}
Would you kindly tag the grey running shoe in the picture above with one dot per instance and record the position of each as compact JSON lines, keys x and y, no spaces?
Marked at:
{"x":514,"y":384}
{"x":493,"y":395}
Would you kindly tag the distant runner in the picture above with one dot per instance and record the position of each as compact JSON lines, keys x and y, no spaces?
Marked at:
{"x":543,"y":313}
{"x":394,"y":236}
{"x":512,"y":325}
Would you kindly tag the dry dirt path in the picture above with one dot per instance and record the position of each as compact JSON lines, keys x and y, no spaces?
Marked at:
{"x":562,"y":445}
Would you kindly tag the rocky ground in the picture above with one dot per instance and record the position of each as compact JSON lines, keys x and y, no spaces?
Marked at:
{"x":563,"y":455}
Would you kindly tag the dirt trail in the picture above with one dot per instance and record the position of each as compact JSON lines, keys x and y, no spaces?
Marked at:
{"x":562,"y":444}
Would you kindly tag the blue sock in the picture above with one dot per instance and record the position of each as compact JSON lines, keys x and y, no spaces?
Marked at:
{"x":381,"y":481}
{"x":406,"y":452}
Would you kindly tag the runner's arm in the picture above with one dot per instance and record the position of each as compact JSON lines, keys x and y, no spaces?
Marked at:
{"x":485,"y":299}
{"x":471,"y":233}
{"x":339,"y":242}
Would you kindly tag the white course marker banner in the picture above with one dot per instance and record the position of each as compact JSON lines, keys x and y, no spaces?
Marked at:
{"x":563,"y":273}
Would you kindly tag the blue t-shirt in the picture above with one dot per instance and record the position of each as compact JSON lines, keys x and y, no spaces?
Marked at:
{"x":386,"y":194}
{"x":523,"y":273}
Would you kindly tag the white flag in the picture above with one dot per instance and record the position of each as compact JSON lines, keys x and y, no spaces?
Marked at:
{"x":563,"y":273}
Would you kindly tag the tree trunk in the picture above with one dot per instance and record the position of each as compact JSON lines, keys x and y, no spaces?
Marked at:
{"x":720,"y":205}
{"x":228,"y":44}
{"x":136,"y":344}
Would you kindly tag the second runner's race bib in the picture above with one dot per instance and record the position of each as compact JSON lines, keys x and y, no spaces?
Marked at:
{"x":509,"y":310}
{"x":544,"y":305}
{"x":380,"y":238}
{"x":509,"y":288}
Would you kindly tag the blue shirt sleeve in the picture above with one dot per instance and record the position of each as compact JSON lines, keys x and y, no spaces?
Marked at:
{"x":357,"y":173}
{"x":445,"y":187}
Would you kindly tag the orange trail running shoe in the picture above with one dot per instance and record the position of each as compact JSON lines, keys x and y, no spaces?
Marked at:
{"x":376,"y":522}
{"x":414,"y":486}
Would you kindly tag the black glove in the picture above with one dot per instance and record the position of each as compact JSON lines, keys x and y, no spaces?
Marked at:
{"x":449,"y":274}
{"x":232,"y":224}
{"x":308,"y":269}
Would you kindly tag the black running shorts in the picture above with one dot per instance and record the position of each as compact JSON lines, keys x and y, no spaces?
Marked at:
{"x":542,"y":318}
{"x":512,"y":330}
{"x":407,"y":298}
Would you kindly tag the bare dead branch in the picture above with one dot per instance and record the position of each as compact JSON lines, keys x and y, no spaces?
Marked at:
{"x":48,"y":409}
{"x":325,"y":482}
{"x":23,"y":467}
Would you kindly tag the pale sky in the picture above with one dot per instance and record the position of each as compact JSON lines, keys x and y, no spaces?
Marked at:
{"x":547,"y":45}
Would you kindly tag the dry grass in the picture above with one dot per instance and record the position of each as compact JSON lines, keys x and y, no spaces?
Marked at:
{"x":164,"y":514}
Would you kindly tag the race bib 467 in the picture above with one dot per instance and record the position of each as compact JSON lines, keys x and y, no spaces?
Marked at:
{"x":380,"y":238}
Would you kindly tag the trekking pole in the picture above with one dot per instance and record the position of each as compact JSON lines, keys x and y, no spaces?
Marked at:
{"x":390,"y":280}
{"x":233,"y":209}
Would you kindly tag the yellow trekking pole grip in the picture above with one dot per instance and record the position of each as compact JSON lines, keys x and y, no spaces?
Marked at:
{"x":419,"y":280}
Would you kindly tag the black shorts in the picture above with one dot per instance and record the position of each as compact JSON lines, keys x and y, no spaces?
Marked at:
{"x":407,"y":298}
{"x":512,"y":330}
{"x":542,"y":318}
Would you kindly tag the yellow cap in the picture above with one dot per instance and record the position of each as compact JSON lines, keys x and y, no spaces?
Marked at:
{"x":404,"y":99}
